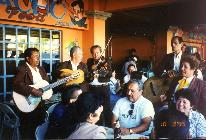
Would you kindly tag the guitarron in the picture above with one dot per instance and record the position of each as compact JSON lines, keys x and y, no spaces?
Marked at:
{"x":154,"y":87}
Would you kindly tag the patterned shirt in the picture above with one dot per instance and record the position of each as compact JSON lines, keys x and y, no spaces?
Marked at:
{"x":197,"y":124}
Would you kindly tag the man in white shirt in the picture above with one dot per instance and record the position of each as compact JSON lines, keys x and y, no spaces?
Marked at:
{"x":30,"y":73}
{"x":75,"y":63}
{"x":134,"y":112}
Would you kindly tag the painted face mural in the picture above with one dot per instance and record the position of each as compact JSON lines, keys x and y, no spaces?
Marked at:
{"x":77,"y":13}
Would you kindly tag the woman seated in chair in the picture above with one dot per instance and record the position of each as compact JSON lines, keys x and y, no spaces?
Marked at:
{"x":63,"y":113}
{"x":185,"y":103}
{"x":187,"y":79}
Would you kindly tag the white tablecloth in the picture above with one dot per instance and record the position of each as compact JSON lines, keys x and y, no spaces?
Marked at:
{"x":110,"y":135}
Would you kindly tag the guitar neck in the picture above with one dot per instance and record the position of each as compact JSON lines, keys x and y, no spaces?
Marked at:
{"x":100,"y":62}
{"x":55,"y":84}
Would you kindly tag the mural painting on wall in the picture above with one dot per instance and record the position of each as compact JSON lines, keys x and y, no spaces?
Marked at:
{"x":194,"y":39}
{"x":77,"y":13}
{"x":194,"y":36}
{"x":65,"y":13}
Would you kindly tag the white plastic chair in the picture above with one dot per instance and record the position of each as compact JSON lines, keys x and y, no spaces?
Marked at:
{"x":41,"y":131}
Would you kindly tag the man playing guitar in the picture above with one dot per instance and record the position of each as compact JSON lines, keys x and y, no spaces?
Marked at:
{"x":28,"y":74}
{"x":74,"y":64}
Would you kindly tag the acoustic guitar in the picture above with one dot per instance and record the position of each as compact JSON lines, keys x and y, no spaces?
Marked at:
{"x":67,"y":72}
{"x":28,"y":104}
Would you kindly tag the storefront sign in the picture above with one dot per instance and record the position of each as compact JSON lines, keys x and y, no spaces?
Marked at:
{"x":66,"y":13}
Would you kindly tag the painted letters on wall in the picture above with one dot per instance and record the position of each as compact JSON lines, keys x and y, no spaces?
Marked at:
{"x":66,"y":13}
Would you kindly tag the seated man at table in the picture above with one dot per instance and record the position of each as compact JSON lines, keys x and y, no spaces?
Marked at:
{"x":134,"y":112}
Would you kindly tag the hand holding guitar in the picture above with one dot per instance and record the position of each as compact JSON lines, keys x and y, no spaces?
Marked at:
{"x":67,"y":73}
{"x":163,"y":97}
{"x":171,"y":73}
{"x":96,"y":75}
{"x":37,"y":92}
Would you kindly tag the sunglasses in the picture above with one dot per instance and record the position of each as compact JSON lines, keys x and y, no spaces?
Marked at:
{"x":131,"y":110}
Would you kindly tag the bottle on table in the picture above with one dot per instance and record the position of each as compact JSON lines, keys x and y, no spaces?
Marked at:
{"x":117,"y":130}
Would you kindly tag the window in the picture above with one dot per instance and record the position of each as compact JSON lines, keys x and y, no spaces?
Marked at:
{"x":14,"y":40}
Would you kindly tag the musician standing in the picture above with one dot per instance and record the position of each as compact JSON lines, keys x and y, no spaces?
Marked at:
{"x":30,"y":73}
{"x":171,"y":62}
{"x":75,"y":63}
{"x":100,"y":71}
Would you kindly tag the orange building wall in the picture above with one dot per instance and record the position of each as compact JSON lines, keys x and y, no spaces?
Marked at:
{"x":145,"y":49}
{"x":204,"y":51}
{"x":88,"y":39}
{"x":114,"y":5}
{"x":68,"y":35}
{"x":94,"y":36}
{"x":160,"y":46}
{"x":99,"y":33}
{"x":121,"y":45}
{"x":62,"y":11}
{"x":96,"y":4}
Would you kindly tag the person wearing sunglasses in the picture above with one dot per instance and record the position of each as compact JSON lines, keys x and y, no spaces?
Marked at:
{"x":134,"y":112}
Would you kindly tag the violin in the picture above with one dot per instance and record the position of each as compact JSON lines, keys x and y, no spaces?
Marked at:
{"x":101,"y":62}
{"x":100,"y":68}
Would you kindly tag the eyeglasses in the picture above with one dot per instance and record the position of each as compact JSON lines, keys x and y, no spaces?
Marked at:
{"x":131,"y":110}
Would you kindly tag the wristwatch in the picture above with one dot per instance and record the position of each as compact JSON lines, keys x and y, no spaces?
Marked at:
{"x":130,"y":131}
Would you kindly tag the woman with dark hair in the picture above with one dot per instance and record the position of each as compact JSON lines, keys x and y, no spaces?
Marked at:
{"x":187,"y":79}
{"x":185,"y":103}
{"x":89,"y":110}
{"x":171,"y":124}
{"x":63,"y":113}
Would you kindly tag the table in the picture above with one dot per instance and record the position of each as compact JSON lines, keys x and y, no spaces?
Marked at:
{"x":110,"y":135}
